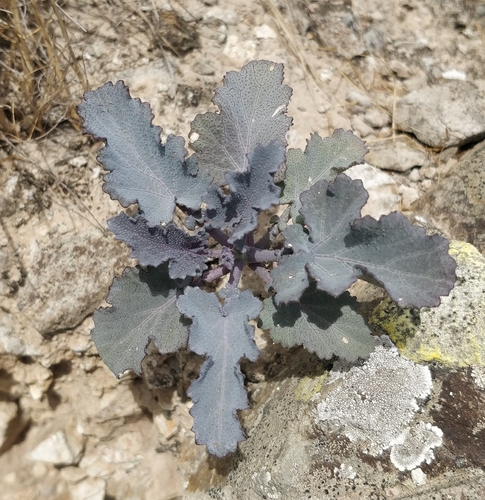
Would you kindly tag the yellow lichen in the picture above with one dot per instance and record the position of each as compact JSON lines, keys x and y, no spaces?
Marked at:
{"x":308,"y":387}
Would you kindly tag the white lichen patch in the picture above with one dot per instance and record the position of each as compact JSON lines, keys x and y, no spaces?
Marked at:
{"x":374,"y":403}
{"x":415,"y":446}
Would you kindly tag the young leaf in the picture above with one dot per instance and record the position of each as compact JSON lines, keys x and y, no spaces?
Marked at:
{"x":143,"y":309}
{"x":142,"y":170}
{"x":222,"y":333}
{"x":415,"y":269}
{"x":323,"y":324}
{"x":154,"y":245}
{"x":255,"y":189}
{"x":252,"y":105}
{"x":323,"y":159}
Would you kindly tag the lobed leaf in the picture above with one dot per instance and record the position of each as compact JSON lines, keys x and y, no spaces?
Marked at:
{"x":323,"y":159}
{"x":251,"y":191}
{"x":141,"y":169}
{"x":323,"y":324}
{"x":153,"y":246}
{"x":252,"y":105}
{"x":222,"y":333}
{"x":414,"y":268}
{"x":143,"y":309}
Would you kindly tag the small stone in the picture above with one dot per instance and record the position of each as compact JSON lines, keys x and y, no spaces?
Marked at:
{"x":203,"y":68}
{"x":356,"y":97}
{"x":227,"y":16}
{"x":408,"y":196}
{"x":78,"y":162}
{"x":65,"y":447}
{"x":414,"y":175}
{"x":264,"y":32}
{"x":359,"y":126}
{"x":401,"y":70}
{"x":377,"y":118}
{"x":239,"y":51}
{"x":92,"y":488}
{"x":398,"y":154}
{"x":418,"y":477}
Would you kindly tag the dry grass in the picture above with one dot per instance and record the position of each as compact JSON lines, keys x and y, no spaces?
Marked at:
{"x":40,"y":75}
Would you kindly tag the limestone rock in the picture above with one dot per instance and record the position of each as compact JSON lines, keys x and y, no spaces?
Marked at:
{"x":452,"y":334}
{"x":92,"y":488}
{"x":68,"y":279}
{"x":456,"y":203}
{"x":65,"y":447}
{"x":449,"y":114}
{"x":382,"y":188}
{"x":8,"y":411}
{"x":398,"y":154}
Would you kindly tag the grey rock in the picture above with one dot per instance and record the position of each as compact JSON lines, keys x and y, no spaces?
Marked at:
{"x":449,"y":114}
{"x":203,"y":68}
{"x":68,"y":279}
{"x":398,"y":154}
{"x":456,"y":202}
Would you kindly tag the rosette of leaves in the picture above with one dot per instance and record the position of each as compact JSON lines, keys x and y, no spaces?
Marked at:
{"x":221,"y":189}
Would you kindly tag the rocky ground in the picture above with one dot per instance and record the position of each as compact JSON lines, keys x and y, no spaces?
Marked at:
{"x":407,"y":76}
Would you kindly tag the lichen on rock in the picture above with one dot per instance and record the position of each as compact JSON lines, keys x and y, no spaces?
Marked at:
{"x":452,"y":334}
{"x":373,"y":404}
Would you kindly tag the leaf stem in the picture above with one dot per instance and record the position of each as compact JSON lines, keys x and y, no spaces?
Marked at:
{"x":255,"y":255}
{"x":236,"y":273}
{"x":220,"y":237}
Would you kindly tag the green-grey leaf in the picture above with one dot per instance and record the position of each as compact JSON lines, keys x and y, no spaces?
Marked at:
{"x":323,"y":324}
{"x":143,"y":309}
{"x":252,"y":105}
{"x":322,"y":159}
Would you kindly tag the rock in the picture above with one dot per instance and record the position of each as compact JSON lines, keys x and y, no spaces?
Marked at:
{"x":460,"y":319}
{"x":241,"y":52}
{"x":377,"y":118}
{"x":291,"y":454}
{"x":227,"y":16}
{"x":360,"y":127}
{"x":355,"y":97}
{"x":8,"y":411}
{"x":456,"y":202}
{"x":449,"y":114}
{"x":399,"y":154}
{"x":63,"y":448}
{"x":373,"y":404}
{"x":382,"y":188}
{"x":17,"y":336}
{"x":264,"y":32}
{"x":68,"y":279}
{"x":78,"y":162}
{"x":92,"y":488}
{"x":203,"y":68}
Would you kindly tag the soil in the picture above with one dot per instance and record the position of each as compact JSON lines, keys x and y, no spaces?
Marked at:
{"x":348,"y":62}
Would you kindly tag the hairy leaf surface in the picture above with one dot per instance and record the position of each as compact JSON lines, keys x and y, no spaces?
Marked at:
{"x":414,"y":268}
{"x":251,"y":191}
{"x":142,"y":170}
{"x":252,"y":105}
{"x":323,"y":324}
{"x":143,"y":309}
{"x":222,"y":333}
{"x":323,"y":159}
{"x":153,"y":246}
